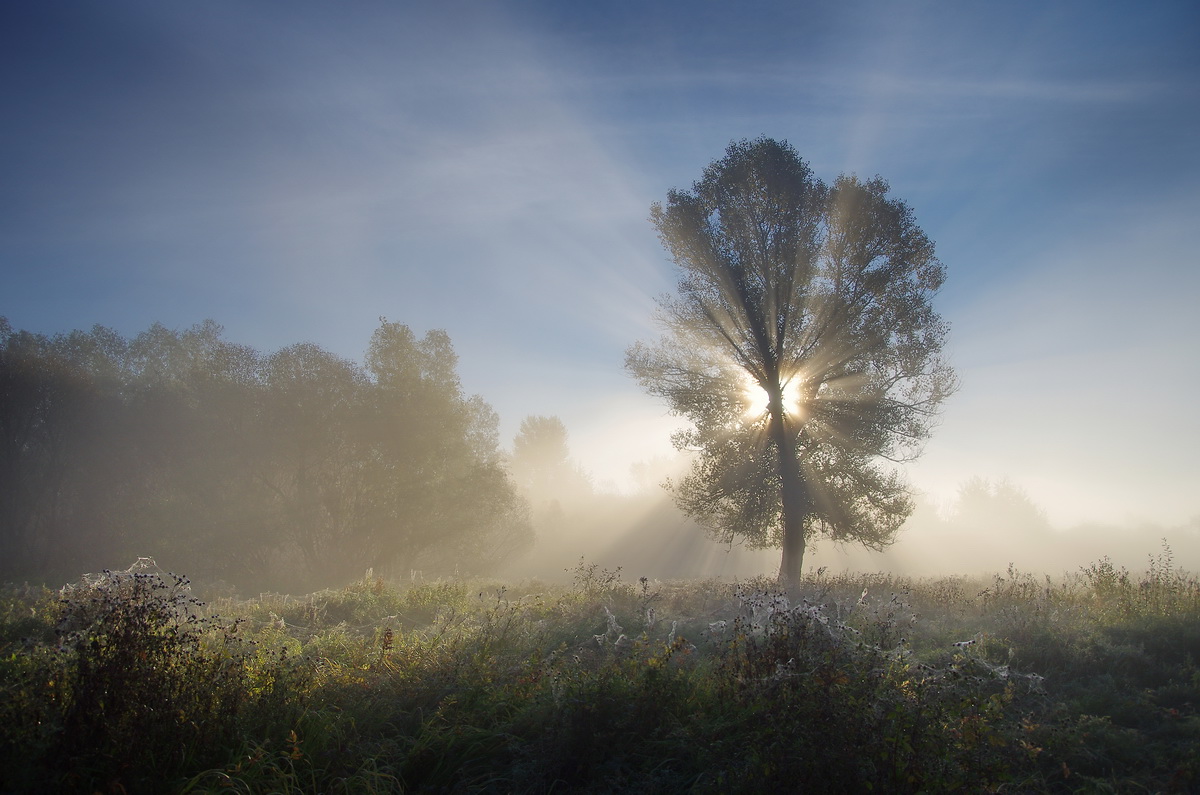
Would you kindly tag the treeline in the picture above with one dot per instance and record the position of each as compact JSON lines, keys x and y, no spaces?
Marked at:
{"x":289,"y":470}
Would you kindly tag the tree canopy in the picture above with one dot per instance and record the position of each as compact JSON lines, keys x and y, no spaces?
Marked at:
{"x":541,"y":461}
{"x":802,"y":345}
{"x":292,"y":469}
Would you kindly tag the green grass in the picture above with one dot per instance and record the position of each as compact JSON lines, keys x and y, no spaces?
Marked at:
{"x":857,"y":683}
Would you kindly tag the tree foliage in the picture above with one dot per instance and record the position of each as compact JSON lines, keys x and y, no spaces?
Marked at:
{"x":816,"y":298}
{"x":291,"y":469}
{"x":541,"y":461}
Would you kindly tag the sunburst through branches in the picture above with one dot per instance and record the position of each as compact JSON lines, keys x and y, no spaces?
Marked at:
{"x":757,"y":401}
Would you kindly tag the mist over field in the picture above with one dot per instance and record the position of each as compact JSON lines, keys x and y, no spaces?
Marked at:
{"x":984,"y":528}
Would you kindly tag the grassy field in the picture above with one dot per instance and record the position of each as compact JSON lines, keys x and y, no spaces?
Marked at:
{"x":124,"y":682}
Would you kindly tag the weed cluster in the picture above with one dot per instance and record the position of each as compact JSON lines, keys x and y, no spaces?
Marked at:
{"x":130,"y":685}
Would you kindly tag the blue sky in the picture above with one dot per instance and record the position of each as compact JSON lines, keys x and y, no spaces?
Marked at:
{"x":295,"y":170}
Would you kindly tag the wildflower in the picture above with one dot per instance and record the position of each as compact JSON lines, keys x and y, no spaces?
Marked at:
{"x":784,"y":670}
{"x":813,"y":612}
{"x":613,"y":627}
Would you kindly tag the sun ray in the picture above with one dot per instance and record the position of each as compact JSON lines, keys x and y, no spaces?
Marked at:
{"x":756,"y":400}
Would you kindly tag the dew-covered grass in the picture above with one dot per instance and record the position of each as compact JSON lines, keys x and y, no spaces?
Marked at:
{"x":1088,"y":682}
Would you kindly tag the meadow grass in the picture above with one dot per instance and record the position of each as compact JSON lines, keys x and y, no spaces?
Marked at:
{"x":1089,"y":682}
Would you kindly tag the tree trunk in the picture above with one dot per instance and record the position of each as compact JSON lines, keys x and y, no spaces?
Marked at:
{"x":793,"y":495}
{"x":795,"y":510}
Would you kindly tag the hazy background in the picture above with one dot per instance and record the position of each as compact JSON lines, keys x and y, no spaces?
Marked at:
{"x":295,"y":170}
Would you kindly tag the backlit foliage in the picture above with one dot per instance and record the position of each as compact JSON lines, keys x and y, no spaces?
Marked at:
{"x":819,"y":298}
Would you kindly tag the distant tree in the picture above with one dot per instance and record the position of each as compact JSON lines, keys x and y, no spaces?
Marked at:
{"x":437,"y":483}
{"x":997,"y":508}
{"x":61,"y":447}
{"x":802,"y":345}
{"x":294,"y":469}
{"x":309,"y":460}
{"x":541,"y":463}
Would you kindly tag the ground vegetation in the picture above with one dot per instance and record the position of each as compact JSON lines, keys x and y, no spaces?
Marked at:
{"x":1017,"y":683}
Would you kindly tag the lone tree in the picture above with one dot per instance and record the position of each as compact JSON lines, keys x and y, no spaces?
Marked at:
{"x":802,"y":346}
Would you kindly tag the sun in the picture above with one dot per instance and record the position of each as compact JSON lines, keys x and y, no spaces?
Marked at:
{"x":755,"y":398}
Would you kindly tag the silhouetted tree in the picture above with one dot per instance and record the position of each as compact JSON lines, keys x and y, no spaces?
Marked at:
{"x":295,"y":469}
{"x":438,"y":487}
{"x":311,"y":457}
{"x":818,"y":300}
{"x":190,"y":428}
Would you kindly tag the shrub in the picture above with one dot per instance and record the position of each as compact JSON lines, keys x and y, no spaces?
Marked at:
{"x":139,"y":688}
